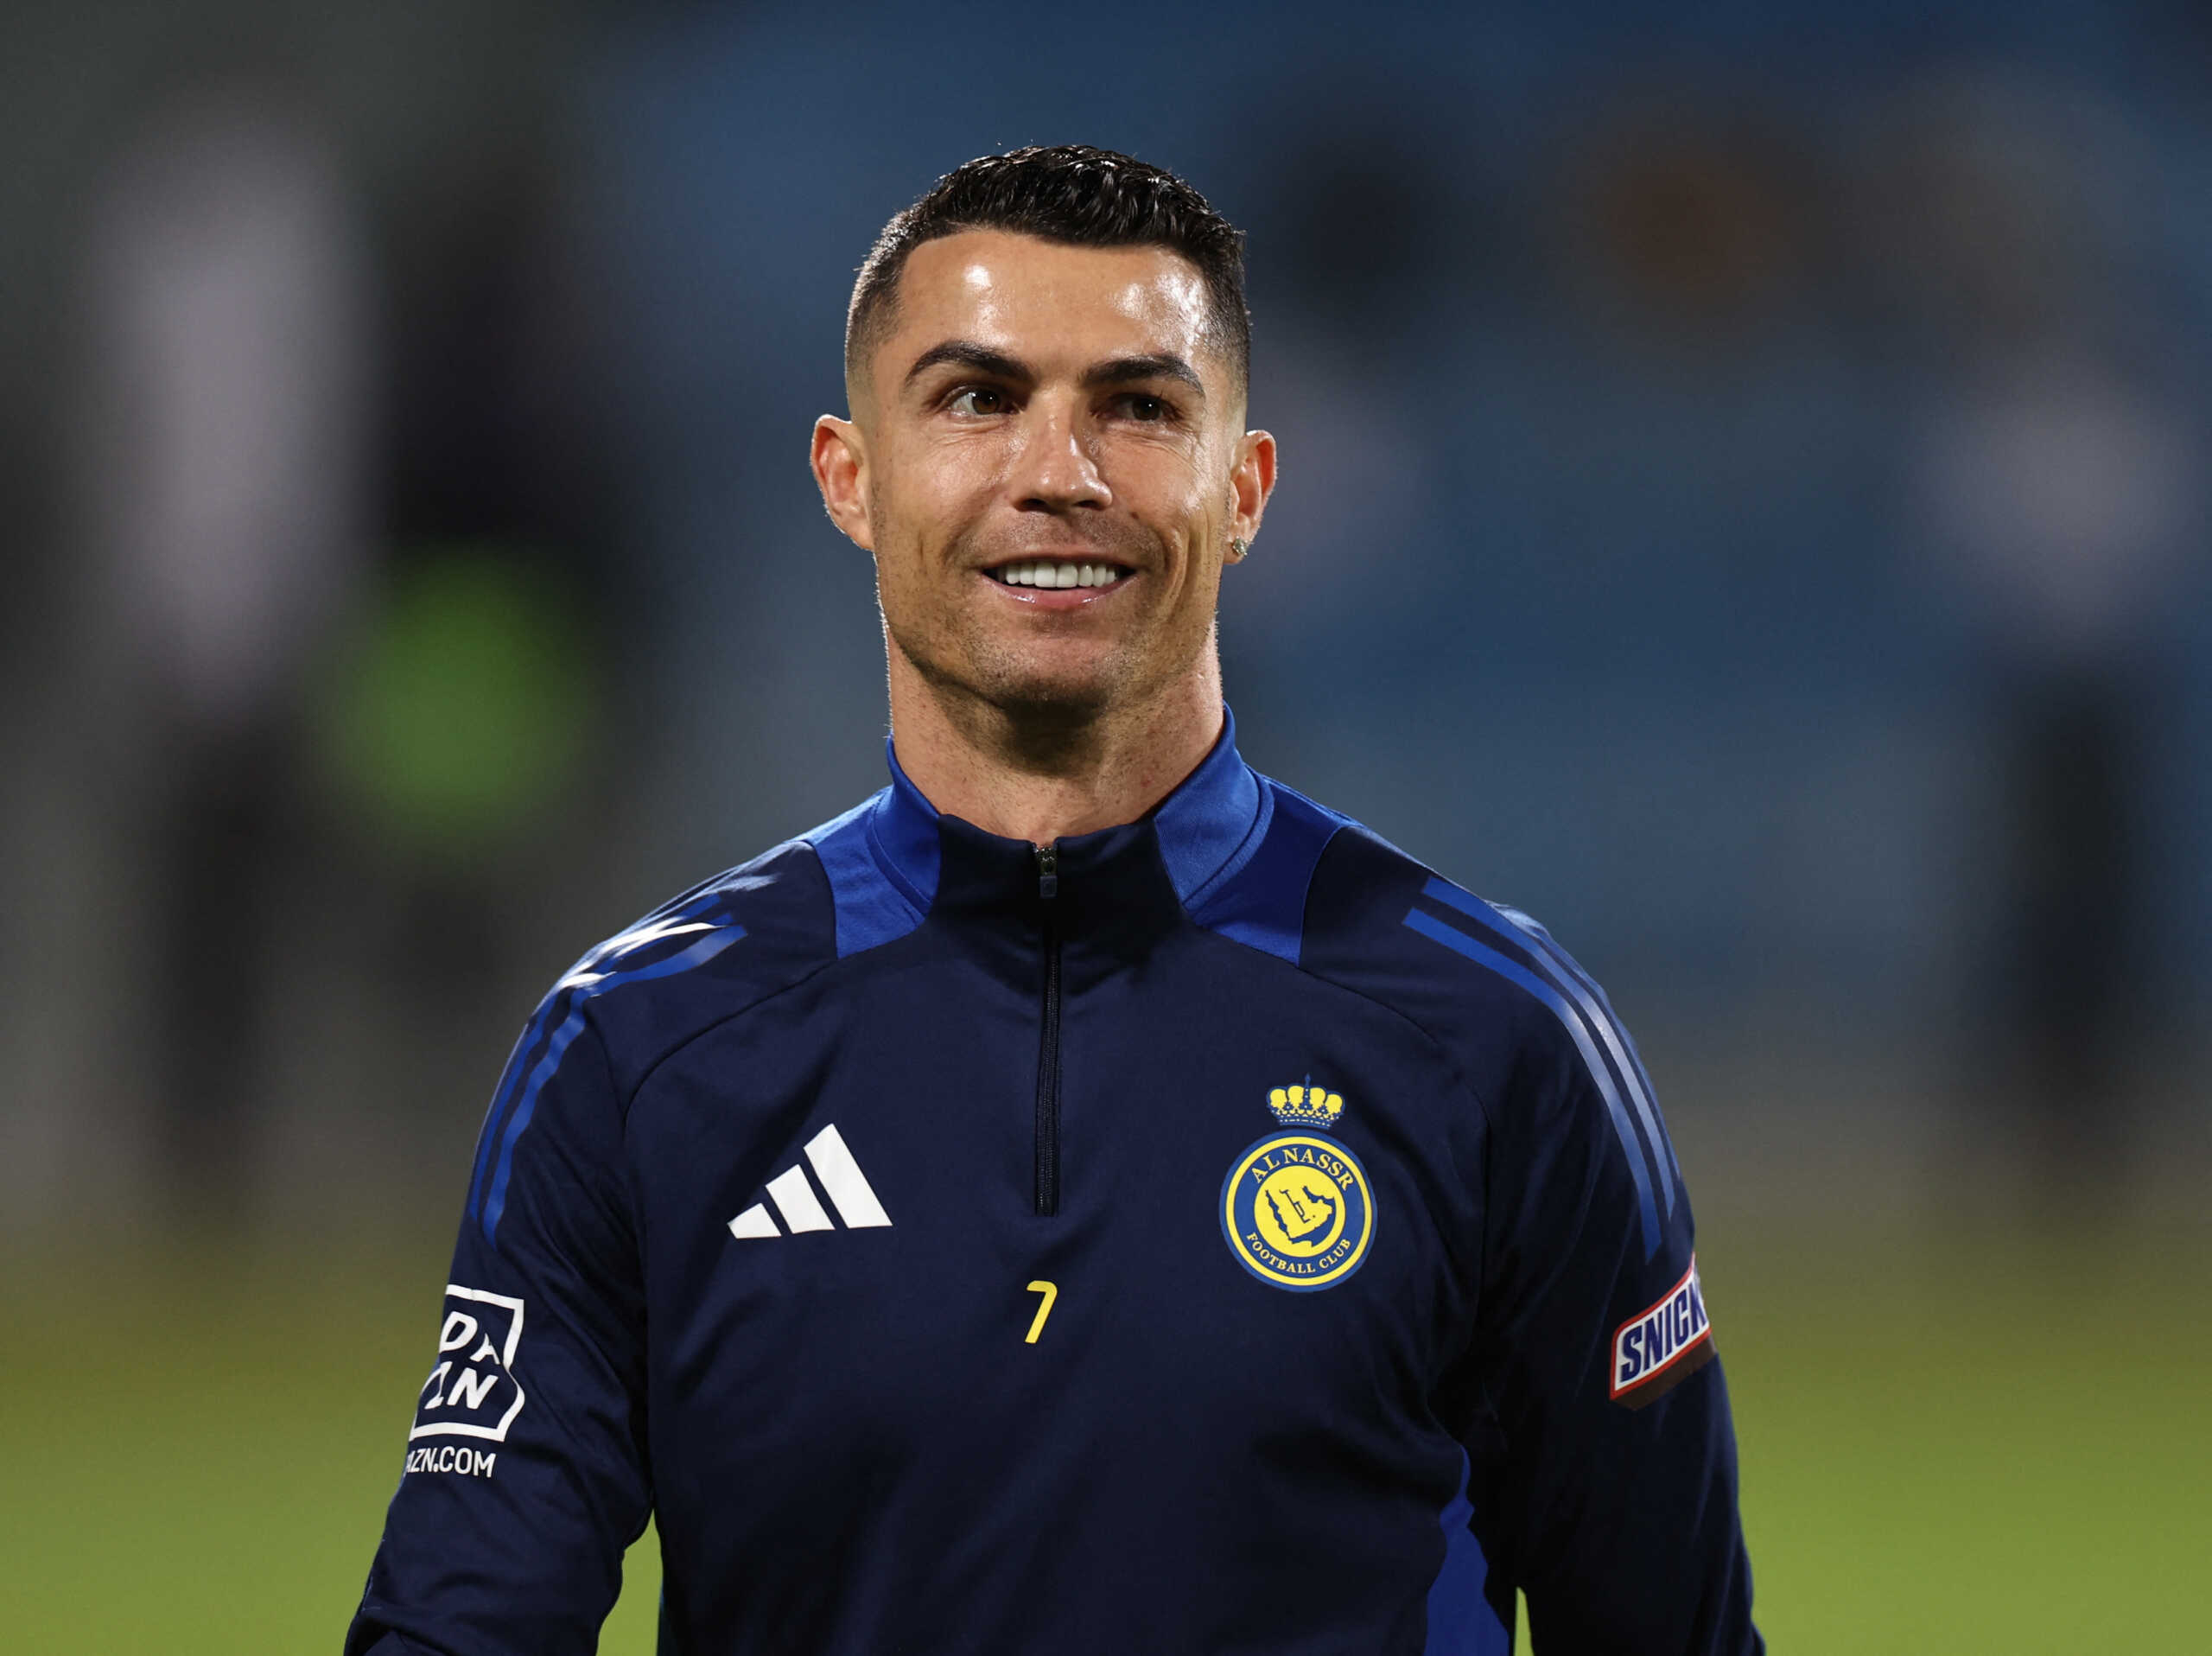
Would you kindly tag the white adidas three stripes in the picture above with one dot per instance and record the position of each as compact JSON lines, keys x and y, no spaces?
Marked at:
{"x":847,"y":1187}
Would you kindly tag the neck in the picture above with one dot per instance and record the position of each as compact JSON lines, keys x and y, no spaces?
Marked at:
{"x":1039,"y":776}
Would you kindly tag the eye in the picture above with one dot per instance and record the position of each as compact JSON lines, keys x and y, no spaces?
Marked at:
{"x":978,"y":399}
{"x":1147,"y":410}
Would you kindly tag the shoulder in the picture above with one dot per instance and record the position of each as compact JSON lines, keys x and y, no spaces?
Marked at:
{"x":1482,"y":978}
{"x":1469,"y":971}
{"x":1536,"y":1035}
{"x":706,"y":954}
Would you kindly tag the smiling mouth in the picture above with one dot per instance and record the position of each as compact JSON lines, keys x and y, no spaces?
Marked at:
{"x":1053,"y":572}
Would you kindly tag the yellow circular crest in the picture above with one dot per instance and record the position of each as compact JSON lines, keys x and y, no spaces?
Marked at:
{"x":1297,"y":1212}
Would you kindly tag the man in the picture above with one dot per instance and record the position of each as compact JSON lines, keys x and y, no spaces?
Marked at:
{"x":1087,"y":1197}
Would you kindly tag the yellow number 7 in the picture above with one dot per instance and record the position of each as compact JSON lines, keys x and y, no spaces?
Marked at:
{"x":1044,"y":1310}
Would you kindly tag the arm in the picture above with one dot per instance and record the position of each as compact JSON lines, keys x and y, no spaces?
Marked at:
{"x":525,"y":1475}
{"x":1609,"y":1460}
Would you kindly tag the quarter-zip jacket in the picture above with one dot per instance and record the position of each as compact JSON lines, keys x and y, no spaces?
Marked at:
{"x":1216,"y":1233}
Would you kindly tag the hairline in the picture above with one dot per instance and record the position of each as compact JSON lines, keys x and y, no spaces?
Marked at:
{"x":864,"y":333}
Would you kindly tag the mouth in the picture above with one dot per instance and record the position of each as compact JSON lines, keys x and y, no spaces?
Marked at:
{"x":1058,"y":574}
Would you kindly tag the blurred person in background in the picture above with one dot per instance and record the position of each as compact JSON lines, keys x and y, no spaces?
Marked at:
{"x":2059,"y":491}
{"x":1088,"y":1195}
{"x":325,"y":641}
{"x":224,"y":478}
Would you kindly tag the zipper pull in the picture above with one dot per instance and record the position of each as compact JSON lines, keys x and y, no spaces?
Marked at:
{"x":1048,"y":870}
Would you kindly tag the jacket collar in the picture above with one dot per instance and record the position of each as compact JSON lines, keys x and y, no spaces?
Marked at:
{"x":1204,"y":826}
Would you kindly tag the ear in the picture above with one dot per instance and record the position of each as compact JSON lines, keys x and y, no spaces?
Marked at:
{"x":839,"y":463}
{"x":1250,"y":482}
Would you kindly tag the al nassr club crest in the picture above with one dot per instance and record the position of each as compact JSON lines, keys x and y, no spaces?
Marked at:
{"x":1296,"y":1208}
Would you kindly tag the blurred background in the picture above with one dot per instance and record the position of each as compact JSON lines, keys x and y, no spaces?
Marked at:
{"x":1745,"y":499}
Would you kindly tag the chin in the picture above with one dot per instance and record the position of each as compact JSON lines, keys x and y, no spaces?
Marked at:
{"x":1043,"y":690}
{"x":1051,"y":698}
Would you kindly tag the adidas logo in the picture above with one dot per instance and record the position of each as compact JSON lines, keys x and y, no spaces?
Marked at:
{"x":847,"y":1187}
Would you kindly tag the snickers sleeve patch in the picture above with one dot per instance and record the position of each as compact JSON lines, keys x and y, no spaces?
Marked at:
{"x":1658,"y":1348}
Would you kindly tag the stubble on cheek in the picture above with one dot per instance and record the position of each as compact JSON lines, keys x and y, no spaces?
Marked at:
{"x":964,"y":638}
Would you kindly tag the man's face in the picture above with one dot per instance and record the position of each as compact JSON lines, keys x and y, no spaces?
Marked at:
{"x":1047,"y":459}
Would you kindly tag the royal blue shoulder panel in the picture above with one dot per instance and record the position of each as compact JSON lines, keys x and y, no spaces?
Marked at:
{"x":881,"y":858}
{"x":872,"y":909}
{"x":1226,"y":1235}
{"x":1260,"y":900}
{"x":1211,"y":826}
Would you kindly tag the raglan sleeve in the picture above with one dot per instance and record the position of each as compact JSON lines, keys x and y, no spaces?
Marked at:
{"x":525,"y":1476}
{"x":1609,"y":1454}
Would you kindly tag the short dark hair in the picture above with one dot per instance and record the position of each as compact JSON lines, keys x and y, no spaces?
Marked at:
{"x":1069,"y":193}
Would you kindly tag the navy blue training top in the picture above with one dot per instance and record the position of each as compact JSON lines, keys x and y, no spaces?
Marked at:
{"x":1213,"y":1234}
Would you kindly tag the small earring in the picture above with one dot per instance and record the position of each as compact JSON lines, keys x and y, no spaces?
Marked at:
{"x":1239,"y":545}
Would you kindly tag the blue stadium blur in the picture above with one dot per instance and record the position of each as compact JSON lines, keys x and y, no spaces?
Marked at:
{"x":875,"y":1430}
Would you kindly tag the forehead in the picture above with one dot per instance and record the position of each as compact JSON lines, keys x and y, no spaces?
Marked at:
{"x":1046,"y":303}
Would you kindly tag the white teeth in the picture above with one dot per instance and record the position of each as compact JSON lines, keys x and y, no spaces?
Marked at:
{"x":1043,"y":573}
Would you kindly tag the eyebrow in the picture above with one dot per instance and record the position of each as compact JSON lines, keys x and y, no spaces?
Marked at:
{"x":966,"y":353}
{"x":1122,"y":370}
{"x":1116,"y":371}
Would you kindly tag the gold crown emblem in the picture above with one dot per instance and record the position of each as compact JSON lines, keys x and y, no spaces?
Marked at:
{"x":1305,"y":1106}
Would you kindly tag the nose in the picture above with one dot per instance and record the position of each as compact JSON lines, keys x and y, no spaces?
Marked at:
{"x":1055,"y":471}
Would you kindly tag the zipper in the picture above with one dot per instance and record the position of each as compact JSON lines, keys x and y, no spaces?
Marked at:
{"x":1048,"y":1052}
